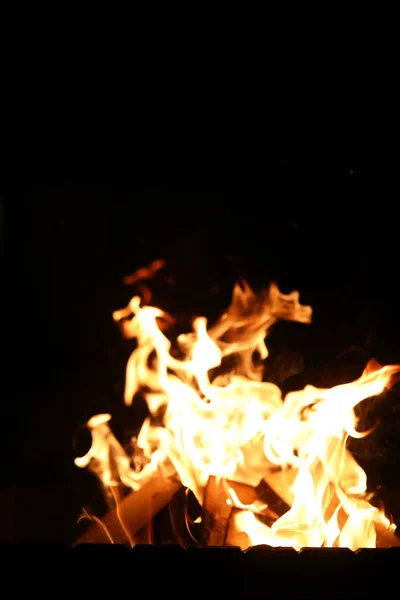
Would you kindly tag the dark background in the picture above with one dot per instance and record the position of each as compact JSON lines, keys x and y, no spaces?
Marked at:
{"x":66,"y":247}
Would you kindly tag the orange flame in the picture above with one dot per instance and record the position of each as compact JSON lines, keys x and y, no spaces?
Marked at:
{"x":238,"y":427}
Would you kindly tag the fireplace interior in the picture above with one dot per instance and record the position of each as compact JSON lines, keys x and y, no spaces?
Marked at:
{"x":77,"y":244}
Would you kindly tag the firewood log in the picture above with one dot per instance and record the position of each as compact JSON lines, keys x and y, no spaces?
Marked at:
{"x":137,"y":509}
{"x":218,"y":506}
{"x":386,"y":538}
{"x":234,"y":537}
{"x":133,"y":512}
{"x":216,"y":513}
{"x":281,"y":482}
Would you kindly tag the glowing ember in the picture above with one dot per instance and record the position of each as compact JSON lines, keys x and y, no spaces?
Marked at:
{"x":237,"y":428}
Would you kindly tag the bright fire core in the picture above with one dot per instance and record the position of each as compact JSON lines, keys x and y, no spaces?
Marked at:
{"x":211,"y":415}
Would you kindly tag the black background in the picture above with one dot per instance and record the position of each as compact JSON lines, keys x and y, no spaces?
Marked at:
{"x":66,"y":247}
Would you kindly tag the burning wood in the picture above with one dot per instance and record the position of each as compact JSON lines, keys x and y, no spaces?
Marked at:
{"x":219,"y":500}
{"x":133,"y":512}
{"x":216,"y":513}
{"x":130,"y":520}
{"x":266,"y":469}
{"x":281,"y":483}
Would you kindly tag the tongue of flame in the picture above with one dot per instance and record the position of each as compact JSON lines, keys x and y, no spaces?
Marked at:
{"x":238,"y":427}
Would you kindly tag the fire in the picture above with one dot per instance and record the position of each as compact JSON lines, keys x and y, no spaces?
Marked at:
{"x":209,"y":421}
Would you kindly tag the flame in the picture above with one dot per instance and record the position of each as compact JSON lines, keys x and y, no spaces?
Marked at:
{"x":237,"y":427}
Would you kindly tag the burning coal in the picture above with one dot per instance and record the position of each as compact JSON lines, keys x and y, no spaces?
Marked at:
{"x":221,"y":433}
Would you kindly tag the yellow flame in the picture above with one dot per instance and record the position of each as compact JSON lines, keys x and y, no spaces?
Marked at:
{"x":238,"y":427}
